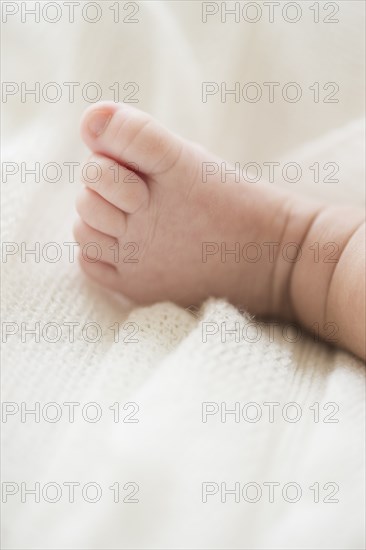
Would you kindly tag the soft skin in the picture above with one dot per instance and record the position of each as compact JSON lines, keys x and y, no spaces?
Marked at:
{"x":165,"y":232}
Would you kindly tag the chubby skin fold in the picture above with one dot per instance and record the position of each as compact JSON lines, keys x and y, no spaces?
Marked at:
{"x":163,"y":232}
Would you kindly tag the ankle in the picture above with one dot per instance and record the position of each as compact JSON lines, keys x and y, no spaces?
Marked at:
{"x":324,"y":239}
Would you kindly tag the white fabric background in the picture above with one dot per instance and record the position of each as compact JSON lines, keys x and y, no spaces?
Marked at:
{"x":170,"y":371}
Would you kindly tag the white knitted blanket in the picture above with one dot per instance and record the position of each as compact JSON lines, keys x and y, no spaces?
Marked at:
{"x":132,"y":406}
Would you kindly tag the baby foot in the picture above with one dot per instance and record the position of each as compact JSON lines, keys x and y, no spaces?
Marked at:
{"x":162,"y":232}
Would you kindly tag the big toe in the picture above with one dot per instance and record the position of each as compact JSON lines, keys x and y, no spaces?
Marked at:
{"x":130,"y":137}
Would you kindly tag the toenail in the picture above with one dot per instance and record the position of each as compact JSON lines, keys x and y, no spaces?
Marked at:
{"x":98,"y":121}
